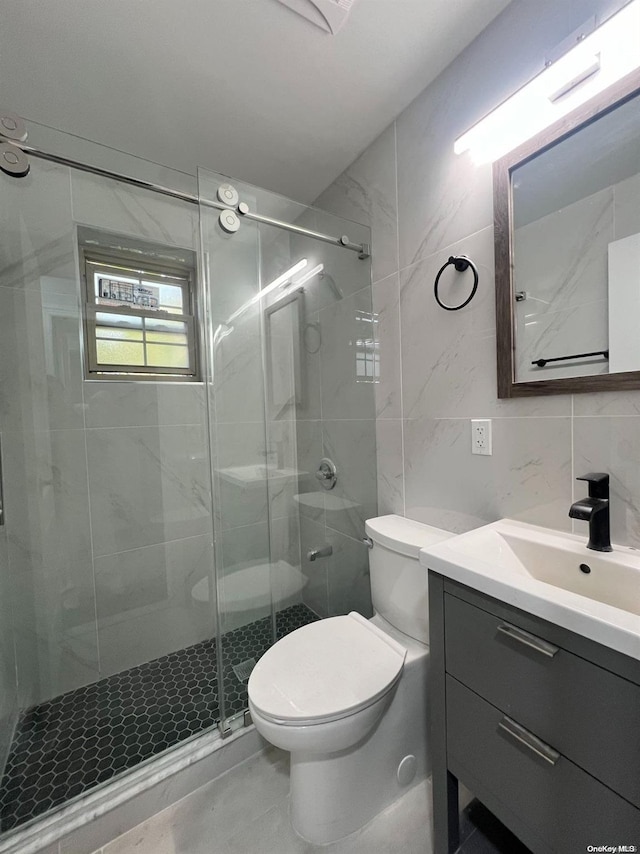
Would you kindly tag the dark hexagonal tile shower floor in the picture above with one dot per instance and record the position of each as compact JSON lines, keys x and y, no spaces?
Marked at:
{"x":74,"y":742}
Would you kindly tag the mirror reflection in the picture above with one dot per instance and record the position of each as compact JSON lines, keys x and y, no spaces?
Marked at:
{"x":576,"y":252}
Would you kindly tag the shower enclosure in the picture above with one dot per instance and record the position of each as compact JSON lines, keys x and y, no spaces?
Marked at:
{"x":179,"y":370}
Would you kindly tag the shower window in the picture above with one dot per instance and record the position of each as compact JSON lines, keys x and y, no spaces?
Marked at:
{"x":140,"y":319}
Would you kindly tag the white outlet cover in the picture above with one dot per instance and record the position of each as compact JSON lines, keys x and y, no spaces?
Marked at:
{"x":481,"y":446}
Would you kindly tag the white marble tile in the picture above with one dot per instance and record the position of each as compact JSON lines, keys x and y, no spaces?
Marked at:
{"x":577,"y":329}
{"x":528,"y":477}
{"x":140,"y":404}
{"x":284,"y":538}
{"x":315,"y":593}
{"x":240,"y":503}
{"x":443,"y":196}
{"x":449,"y":357}
{"x":560,"y":260}
{"x":389,"y":460}
{"x":405,"y":825}
{"x":386,"y":307}
{"x":145,"y":602}
{"x":607,"y":403}
{"x":36,"y":231}
{"x":349,"y":272}
{"x":310,"y":450}
{"x":626,"y":209}
{"x":611,"y":445}
{"x":273,"y":834}
{"x":40,"y":360}
{"x":147,"y":485}
{"x":48,"y":531}
{"x":282,"y":453}
{"x":348,"y":581}
{"x":238,"y":384}
{"x":366,"y":192}
{"x":210,"y":817}
{"x":351,"y":445}
{"x":309,"y":404}
{"x":132,"y":211}
{"x":344,"y":327}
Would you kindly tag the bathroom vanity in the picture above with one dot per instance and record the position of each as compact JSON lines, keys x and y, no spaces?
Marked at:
{"x":540,"y":721}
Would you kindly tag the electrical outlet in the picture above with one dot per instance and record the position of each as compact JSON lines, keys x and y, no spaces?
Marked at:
{"x":481,"y":436}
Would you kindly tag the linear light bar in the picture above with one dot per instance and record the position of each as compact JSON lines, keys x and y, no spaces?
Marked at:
{"x":606,"y":55}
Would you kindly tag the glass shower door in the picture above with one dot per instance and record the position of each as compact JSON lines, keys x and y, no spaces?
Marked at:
{"x":293,"y":366}
{"x":107,"y":643}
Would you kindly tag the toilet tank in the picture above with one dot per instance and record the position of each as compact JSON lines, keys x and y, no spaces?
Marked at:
{"x":398,"y":581}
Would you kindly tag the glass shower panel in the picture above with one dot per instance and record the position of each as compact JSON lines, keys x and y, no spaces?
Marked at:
{"x":293,"y":362}
{"x":107,"y":629}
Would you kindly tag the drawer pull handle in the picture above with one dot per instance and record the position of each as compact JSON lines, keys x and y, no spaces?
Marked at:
{"x":528,"y":639}
{"x":528,"y":739}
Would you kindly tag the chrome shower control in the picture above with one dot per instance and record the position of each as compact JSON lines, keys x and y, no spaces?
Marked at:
{"x":327,"y":473}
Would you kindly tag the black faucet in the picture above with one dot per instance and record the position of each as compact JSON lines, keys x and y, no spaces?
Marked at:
{"x":595,"y":511}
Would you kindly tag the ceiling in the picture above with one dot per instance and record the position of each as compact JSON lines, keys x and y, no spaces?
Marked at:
{"x":245,"y":87}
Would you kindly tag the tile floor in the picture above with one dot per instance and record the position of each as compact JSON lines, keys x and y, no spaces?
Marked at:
{"x":246,"y":812}
{"x":73,"y":743}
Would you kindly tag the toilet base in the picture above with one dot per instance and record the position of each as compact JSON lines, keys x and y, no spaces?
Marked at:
{"x":333,"y":796}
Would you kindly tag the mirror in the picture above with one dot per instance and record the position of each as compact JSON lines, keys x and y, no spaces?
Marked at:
{"x":567,"y":233}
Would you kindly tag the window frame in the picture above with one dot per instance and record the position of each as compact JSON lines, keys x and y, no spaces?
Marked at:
{"x":94,"y":260}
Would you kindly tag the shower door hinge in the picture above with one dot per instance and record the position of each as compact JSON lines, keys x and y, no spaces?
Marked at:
{"x":248,"y":720}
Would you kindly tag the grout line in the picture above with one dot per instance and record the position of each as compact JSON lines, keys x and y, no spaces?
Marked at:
{"x":402,"y":442}
{"x":444,"y":249}
{"x":155,"y":545}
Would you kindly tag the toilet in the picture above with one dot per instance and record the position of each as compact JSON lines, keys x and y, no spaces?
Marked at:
{"x":347,"y":696}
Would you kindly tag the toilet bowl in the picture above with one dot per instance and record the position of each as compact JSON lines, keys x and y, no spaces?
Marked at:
{"x":348,"y":696}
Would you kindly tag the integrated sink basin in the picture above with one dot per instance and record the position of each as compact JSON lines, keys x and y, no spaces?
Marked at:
{"x":550,"y":574}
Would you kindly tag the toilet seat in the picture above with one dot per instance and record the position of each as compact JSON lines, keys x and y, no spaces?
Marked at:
{"x":325,"y":671}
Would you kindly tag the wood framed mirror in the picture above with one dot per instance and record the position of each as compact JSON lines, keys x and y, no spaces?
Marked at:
{"x":567,"y":252}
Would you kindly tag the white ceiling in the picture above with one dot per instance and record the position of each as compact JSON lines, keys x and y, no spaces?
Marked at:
{"x":245,"y":87}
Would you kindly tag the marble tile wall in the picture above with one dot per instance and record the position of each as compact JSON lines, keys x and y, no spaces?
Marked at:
{"x":106,"y":484}
{"x":437,"y":369}
{"x":292,"y":422}
{"x":566,"y":310}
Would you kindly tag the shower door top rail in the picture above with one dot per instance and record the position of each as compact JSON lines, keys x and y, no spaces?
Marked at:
{"x":363,"y":249}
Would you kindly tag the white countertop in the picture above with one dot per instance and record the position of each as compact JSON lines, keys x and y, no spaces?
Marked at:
{"x":485,"y":560}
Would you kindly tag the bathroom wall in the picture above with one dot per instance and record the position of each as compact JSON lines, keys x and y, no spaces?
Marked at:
{"x":424,"y":203}
{"x":106,"y":484}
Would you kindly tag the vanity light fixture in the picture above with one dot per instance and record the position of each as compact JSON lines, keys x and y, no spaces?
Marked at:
{"x":597,"y":61}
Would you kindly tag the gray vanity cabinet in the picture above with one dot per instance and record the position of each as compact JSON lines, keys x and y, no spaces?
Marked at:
{"x":541,"y":724}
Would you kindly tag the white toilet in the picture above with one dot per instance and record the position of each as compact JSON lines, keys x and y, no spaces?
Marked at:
{"x":348,"y":696}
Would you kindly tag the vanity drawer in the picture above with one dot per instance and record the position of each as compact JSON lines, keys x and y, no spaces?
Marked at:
{"x":592,"y":716}
{"x":562,"y":807}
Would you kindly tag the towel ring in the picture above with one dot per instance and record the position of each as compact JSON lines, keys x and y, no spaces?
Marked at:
{"x":461,"y":263}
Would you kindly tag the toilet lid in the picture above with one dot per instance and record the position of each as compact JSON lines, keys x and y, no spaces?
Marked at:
{"x":325,"y":671}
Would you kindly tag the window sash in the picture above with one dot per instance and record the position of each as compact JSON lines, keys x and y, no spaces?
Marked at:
{"x":112,"y":268}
